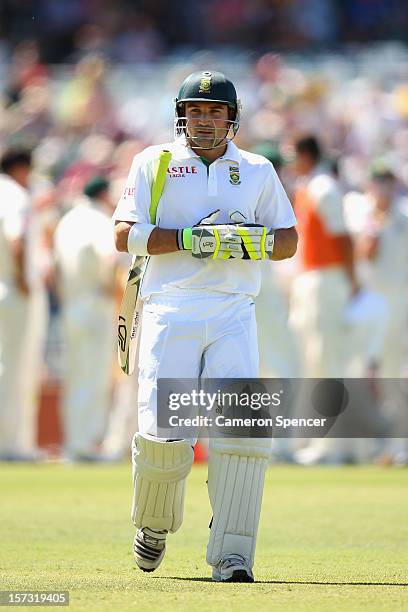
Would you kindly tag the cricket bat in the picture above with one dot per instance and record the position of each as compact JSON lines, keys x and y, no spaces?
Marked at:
{"x":131,"y":306}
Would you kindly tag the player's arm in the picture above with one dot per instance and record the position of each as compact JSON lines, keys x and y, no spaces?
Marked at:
{"x":367,"y":247}
{"x":274,"y":210}
{"x":15,"y":230}
{"x":18,"y":250}
{"x":346,"y":244}
{"x":285,"y":244}
{"x":160,"y":241}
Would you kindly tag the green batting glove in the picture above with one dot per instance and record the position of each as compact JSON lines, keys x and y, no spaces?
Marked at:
{"x":184,"y":236}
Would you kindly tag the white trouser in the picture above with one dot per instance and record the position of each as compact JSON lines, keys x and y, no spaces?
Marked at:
{"x":88,"y":324}
{"x":318,"y":302}
{"x":391,"y":365}
{"x":317,"y":314}
{"x":191,"y":335}
{"x":396,"y":332}
{"x":366,"y":316}
{"x":122,"y":421}
{"x":13,"y":330}
{"x":385,"y":329}
{"x":33,"y":363}
{"x":278,"y":355}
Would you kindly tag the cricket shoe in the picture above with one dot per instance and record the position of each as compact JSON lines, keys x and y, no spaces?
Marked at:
{"x":232,"y":568}
{"x":149,"y":547}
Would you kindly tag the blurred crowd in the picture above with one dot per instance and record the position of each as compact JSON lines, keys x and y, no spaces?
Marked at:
{"x":132,"y":30}
{"x":84,"y":121}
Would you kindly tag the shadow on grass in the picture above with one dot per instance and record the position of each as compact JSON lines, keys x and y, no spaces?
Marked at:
{"x":202,"y":579}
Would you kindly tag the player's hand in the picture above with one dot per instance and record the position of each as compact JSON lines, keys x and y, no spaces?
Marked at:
{"x":237,"y":240}
{"x":22,"y":286}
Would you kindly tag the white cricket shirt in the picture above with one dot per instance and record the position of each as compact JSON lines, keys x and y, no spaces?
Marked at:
{"x":324,"y":190}
{"x":388,"y":271}
{"x":236,"y":181}
{"x":14,"y":213}
{"x":85,"y":249}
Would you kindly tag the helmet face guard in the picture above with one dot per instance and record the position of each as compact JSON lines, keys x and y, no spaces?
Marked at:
{"x":207,"y":87}
{"x":214,"y":135}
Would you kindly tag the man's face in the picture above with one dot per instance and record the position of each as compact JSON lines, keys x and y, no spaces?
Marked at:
{"x":382,"y":192}
{"x":208,"y":124}
{"x":21,"y":174}
{"x":106,"y":197}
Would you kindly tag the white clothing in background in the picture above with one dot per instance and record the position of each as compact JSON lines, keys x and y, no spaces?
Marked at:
{"x":278,"y":354}
{"x":14,"y":308}
{"x":86,"y":256}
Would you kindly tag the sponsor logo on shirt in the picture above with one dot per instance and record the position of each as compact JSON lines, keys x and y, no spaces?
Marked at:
{"x":234,"y":175}
{"x":128,"y":192}
{"x":181,"y":171}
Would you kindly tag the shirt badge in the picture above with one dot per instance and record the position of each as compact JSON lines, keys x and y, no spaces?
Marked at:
{"x":234,"y":175}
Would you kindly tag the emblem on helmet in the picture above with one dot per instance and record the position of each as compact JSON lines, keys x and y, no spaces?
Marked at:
{"x":205,"y":84}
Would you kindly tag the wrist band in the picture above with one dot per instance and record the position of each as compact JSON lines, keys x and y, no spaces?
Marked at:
{"x":184,"y":239}
{"x":138,"y":237}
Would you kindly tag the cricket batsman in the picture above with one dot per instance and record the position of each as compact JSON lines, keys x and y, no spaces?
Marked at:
{"x":221,"y":212}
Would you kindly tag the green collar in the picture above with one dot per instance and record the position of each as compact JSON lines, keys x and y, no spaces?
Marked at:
{"x":205,"y":161}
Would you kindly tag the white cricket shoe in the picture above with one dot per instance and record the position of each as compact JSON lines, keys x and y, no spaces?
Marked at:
{"x":149,"y":547}
{"x":232,"y":568}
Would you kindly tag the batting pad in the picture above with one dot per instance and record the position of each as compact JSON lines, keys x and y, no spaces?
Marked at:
{"x":236,"y":474}
{"x":160,"y":470}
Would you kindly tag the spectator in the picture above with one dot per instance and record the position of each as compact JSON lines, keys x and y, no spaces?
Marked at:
{"x":86,"y":256}
{"x":15,"y":210}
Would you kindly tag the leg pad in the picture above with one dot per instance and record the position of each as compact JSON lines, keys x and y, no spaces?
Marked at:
{"x":236,"y":474}
{"x":160,"y":470}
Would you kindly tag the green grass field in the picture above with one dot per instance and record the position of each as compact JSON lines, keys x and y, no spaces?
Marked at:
{"x":330,"y":539}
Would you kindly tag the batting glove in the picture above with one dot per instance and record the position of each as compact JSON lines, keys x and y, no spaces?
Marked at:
{"x":237,"y":240}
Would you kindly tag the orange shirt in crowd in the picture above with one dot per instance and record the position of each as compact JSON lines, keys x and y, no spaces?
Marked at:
{"x":319,"y":244}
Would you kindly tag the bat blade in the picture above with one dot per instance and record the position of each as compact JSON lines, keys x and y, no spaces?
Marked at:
{"x":129,"y":317}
